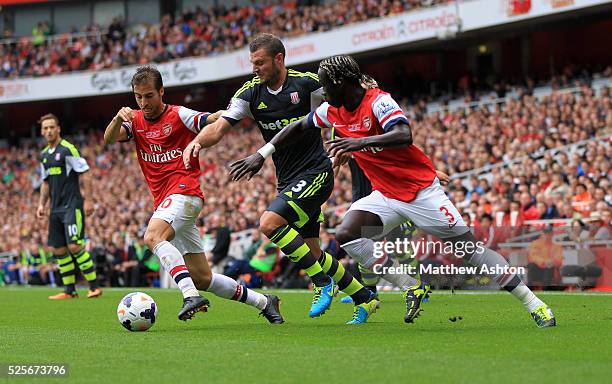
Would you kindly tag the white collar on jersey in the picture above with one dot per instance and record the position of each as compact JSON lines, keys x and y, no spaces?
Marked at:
{"x":275,"y":92}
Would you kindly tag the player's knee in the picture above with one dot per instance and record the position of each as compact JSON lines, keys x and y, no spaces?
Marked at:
{"x":345,"y":233}
{"x":59,"y":251}
{"x":74,"y":248}
{"x":151,"y":239}
{"x":268,"y":223}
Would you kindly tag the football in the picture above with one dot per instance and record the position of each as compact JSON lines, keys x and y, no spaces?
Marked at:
{"x":137,"y":311}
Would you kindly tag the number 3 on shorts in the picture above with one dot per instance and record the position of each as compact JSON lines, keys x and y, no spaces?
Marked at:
{"x":451,"y":218}
{"x":298,"y":187}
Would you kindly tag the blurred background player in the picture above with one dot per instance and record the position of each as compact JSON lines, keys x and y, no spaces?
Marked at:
{"x":275,"y":97}
{"x":161,"y":132}
{"x":63,"y":169}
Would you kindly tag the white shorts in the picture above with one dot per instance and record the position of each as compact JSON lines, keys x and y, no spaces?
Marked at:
{"x":181,"y":212}
{"x":431,"y":211}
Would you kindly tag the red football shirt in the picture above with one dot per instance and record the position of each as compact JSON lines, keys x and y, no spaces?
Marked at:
{"x":398,"y":173}
{"x":160,"y":144}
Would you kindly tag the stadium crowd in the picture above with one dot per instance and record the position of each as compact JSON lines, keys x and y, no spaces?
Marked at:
{"x":198,"y":32}
{"x":569,"y":185}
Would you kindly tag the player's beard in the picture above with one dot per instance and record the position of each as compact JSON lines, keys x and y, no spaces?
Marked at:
{"x":274,"y":76}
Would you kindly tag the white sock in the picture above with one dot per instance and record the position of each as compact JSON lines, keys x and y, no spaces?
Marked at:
{"x":490,"y":258}
{"x":362,"y":251}
{"x":400,"y":280}
{"x":527,"y":297}
{"x":493,"y":261}
{"x":228,"y":288}
{"x":173,"y":262}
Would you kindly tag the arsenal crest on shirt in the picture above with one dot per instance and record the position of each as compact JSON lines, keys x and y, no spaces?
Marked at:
{"x":367,"y":124}
{"x":166,"y":129}
{"x":295,"y":97}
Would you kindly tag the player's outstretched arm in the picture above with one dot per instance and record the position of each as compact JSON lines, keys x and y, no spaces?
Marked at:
{"x":209,"y":135}
{"x":249,"y":166}
{"x":398,"y":136}
{"x":114,"y":131}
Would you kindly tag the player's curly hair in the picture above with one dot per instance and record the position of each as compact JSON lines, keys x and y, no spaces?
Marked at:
{"x":344,"y":66}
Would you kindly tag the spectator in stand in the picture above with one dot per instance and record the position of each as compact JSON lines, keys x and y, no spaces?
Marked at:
{"x":602,"y":229}
{"x":545,"y":257}
{"x":528,"y":207}
{"x":586,"y":266}
{"x":223,"y":239}
{"x":488,"y":233}
{"x":250,"y":268}
{"x":581,"y":201}
{"x":126,"y":267}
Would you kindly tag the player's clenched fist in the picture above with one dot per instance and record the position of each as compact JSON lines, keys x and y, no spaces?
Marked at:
{"x":125,"y":114}
{"x":41,"y":211}
{"x":191,"y":153}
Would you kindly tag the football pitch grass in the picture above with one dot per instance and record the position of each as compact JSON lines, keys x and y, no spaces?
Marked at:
{"x":495,"y":341}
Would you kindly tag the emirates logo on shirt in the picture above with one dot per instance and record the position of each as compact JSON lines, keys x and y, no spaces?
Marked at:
{"x":167,"y":129}
{"x":163,"y":157}
{"x":158,"y":155}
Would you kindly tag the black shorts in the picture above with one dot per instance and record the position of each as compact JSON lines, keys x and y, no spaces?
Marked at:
{"x":300,"y":202}
{"x":66,"y":227}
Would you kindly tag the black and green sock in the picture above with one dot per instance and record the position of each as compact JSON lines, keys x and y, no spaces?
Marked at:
{"x":86,"y":266}
{"x":67,"y":272}
{"x":369,"y":278}
{"x":346,"y":282}
{"x":292,"y":244}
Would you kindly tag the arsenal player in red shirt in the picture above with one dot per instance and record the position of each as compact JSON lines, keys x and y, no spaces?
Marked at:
{"x":161,"y":132}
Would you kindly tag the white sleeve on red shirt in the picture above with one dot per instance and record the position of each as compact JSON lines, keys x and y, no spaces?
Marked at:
{"x":193,"y":120}
{"x":318,"y":118}
{"x":388,"y":112}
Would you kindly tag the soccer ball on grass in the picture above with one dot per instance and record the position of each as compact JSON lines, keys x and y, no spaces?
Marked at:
{"x":137,"y":311}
